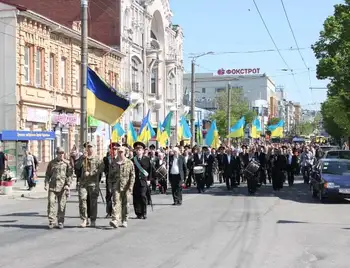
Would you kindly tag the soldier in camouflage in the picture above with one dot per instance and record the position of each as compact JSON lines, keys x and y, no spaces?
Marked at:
{"x":91,"y":167}
{"x":58,"y":179}
{"x":121,"y":180}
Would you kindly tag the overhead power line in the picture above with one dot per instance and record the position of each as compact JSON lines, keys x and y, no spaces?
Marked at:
{"x":295,"y":40}
{"x":274,"y":43}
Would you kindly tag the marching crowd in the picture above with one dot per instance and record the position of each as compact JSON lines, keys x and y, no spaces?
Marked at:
{"x":137,"y":172}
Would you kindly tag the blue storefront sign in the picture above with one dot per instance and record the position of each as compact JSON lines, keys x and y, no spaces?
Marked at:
{"x":13,"y":135}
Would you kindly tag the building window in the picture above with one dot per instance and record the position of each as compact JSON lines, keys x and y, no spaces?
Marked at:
{"x":52,"y":69}
{"x":134,"y":75}
{"x":116,"y":81}
{"x":38,"y":67}
{"x":203,"y":90}
{"x":63,"y":70}
{"x":154,"y":80}
{"x":27,"y":64}
{"x":77,"y":76}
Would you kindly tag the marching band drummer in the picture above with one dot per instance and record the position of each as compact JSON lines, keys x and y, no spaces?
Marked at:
{"x":143,"y":174}
{"x":199,"y":169}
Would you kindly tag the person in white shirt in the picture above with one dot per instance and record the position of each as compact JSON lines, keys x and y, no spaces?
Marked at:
{"x":177,"y":175}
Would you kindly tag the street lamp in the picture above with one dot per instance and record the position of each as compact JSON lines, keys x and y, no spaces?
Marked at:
{"x":173,"y":109}
{"x":194,"y":58}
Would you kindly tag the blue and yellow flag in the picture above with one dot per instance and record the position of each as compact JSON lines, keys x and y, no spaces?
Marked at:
{"x":146,"y":130}
{"x":212,"y":138}
{"x":103,"y":102}
{"x":162,"y":136}
{"x":167,"y":123}
{"x":117,"y":132}
{"x":131,"y":135}
{"x":184,"y":131}
{"x":277,"y":129}
{"x":199,"y":134}
{"x":256,"y":129}
{"x":237,"y":131}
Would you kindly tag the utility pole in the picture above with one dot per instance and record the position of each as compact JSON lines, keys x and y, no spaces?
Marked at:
{"x":84,"y":65}
{"x":228,"y":113}
{"x":193,"y":82}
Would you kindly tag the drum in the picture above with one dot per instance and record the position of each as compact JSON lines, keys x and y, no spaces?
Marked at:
{"x":198,"y":170}
{"x":252,"y":168}
{"x":161,"y":172}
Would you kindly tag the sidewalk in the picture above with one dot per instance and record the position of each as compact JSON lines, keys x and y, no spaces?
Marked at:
{"x":20,"y":190}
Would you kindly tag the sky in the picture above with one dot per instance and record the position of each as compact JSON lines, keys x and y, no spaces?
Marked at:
{"x":235,"y":26}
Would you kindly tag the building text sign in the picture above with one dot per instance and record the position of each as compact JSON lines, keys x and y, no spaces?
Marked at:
{"x":13,"y":135}
{"x":239,"y":71}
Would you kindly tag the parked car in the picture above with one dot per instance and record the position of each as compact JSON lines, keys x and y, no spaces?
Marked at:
{"x":331,"y":179}
{"x":338,"y":154}
{"x":326,"y":148}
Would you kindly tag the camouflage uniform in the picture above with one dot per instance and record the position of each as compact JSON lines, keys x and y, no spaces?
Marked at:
{"x":58,"y":175}
{"x":121,"y":180}
{"x":89,"y":185}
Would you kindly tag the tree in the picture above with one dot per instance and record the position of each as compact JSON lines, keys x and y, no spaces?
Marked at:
{"x":238,"y":108}
{"x":305,"y":128}
{"x":333,"y":52}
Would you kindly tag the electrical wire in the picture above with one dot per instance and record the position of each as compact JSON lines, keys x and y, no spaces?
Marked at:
{"x":295,"y":40}
{"x":274,"y":43}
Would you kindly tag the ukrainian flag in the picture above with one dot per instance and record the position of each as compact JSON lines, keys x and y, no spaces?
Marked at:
{"x":167,"y":123}
{"x":212,"y":138}
{"x":162,"y":136}
{"x":117,"y":132}
{"x":103,"y":102}
{"x":131,"y":135}
{"x":146,"y":130}
{"x":277,"y":129}
{"x":184,"y":131}
{"x":199,"y":134}
{"x":237,"y":131}
{"x":256,"y":129}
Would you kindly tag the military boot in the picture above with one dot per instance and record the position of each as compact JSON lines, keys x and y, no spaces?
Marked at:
{"x":124,"y":224}
{"x":113,"y":224}
{"x":83,"y":224}
{"x":51,"y":225}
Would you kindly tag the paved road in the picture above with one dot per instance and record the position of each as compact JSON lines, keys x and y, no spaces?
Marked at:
{"x":215,"y":230}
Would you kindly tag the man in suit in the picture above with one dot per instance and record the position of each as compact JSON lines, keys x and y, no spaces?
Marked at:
{"x":262,"y":159}
{"x":220,"y":159}
{"x":177,"y":175}
{"x":244,"y":158}
{"x":292,"y":166}
{"x":209,"y":160}
{"x":232,"y":168}
{"x":143,"y":174}
{"x":199,"y":161}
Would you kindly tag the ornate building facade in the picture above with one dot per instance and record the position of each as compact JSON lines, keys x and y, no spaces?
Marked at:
{"x":40,"y":77}
{"x":153,"y":66}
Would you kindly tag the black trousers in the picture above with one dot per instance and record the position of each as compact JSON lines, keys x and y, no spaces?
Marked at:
{"x":200,"y":182}
{"x":277,"y":179}
{"x":108,"y":200}
{"x":176,"y":189}
{"x":189,"y":178}
{"x":140,"y":200}
{"x":290,"y":175}
{"x":209,"y":179}
{"x":232,"y":180}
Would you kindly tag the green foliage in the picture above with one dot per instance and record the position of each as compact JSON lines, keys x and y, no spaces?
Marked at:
{"x":238,"y":108}
{"x":305,"y":128}
{"x":333,"y":52}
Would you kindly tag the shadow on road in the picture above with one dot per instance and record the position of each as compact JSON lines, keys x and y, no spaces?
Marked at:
{"x":32,"y":226}
{"x":299,"y":192}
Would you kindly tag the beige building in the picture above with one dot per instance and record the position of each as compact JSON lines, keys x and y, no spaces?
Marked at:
{"x":40,"y":77}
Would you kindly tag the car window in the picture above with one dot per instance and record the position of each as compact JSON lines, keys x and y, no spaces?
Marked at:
{"x":344,"y":155}
{"x":334,"y":154}
{"x":336,"y":168}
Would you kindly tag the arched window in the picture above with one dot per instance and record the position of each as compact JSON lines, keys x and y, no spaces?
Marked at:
{"x":135,"y":75}
{"x":153,"y":36}
{"x":154,"y":78}
{"x":171,"y":86}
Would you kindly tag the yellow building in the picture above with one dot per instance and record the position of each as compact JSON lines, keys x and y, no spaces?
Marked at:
{"x":40,"y":77}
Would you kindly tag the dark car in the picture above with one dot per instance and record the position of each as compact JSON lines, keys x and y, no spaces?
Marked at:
{"x":326,"y":148}
{"x":331,"y":179}
{"x":339,"y":154}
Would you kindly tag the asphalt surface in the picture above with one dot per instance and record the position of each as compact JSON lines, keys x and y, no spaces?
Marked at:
{"x":216,"y":229}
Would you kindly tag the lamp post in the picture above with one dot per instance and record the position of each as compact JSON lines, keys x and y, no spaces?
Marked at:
{"x":193,"y":79}
{"x":174,"y":110}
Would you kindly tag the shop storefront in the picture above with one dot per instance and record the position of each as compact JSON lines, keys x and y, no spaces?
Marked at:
{"x":37,"y":120}
{"x":66,"y":128}
{"x":15,"y":143}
